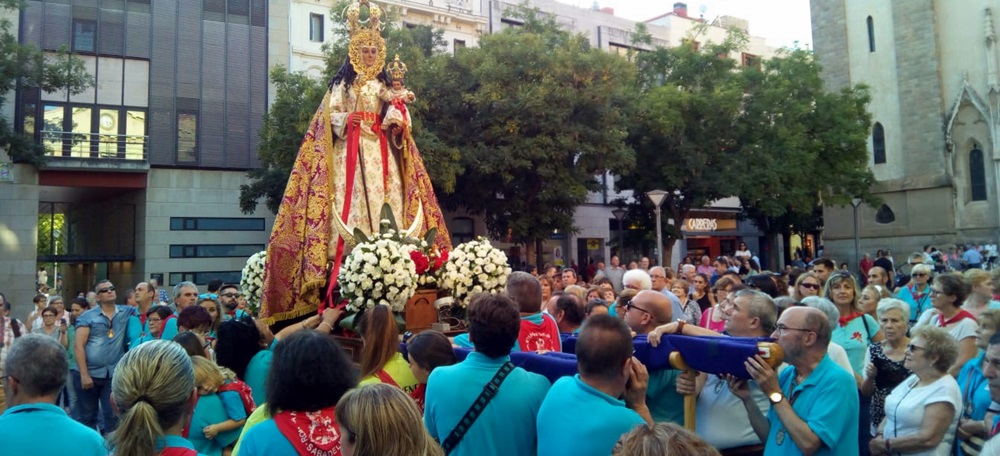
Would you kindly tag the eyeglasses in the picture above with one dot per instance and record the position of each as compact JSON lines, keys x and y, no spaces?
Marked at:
{"x":780,"y":327}
{"x":630,"y":306}
{"x":657,"y":277}
{"x":105,"y":290}
{"x":913,"y":348}
{"x":936,"y":292}
{"x":48,"y":316}
{"x":811,"y":286}
{"x":154,"y":319}
{"x":231,"y":295}
{"x":918,"y":274}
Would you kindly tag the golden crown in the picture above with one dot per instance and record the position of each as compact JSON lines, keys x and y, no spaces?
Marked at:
{"x":397,"y":69}
{"x":353,"y":15}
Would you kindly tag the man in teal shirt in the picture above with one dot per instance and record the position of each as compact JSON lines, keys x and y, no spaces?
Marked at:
{"x":644,"y":313}
{"x":583,"y":415}
{"x":814,"y":403}
{"x":506,"y":425}
{"x":36,"y":371}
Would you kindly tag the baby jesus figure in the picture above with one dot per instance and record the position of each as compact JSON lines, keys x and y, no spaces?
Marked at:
{"x":397,"y":117}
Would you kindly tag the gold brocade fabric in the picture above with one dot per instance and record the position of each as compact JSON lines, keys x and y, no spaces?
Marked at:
{"x":303,"y":242}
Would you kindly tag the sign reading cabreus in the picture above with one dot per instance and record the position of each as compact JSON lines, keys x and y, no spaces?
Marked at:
{"x":702,"y":224}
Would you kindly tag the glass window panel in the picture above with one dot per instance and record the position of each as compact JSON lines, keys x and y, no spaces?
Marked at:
{"x":52,"y":129}
{"x":135,"y":135}
{"x":216,"y":224}
{"x":84,"y":35}
{"x":187,"y":137}
{"x":80,"y":140}
{"x":107,"y":126}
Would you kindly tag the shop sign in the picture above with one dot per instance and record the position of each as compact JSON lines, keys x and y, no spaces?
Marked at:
{"x":702,"y":224}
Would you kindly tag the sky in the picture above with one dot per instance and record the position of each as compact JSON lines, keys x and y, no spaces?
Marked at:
{"x":780,"y":22}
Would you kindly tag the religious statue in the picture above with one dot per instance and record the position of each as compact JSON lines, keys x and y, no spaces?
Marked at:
{"x":346,"y":170}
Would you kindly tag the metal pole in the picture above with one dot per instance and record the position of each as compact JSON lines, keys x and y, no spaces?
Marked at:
{"x":857,"y":240}
{"x":659,"y":237}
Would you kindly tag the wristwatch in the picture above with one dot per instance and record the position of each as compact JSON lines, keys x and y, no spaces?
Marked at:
{"x":776,"y":397}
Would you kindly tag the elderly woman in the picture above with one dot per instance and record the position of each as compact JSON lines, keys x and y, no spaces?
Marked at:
{"x":368,"y":415}
{"x":920,"y":413}
{"x":972,"y":425}
{"x":807,"y":284}
{"x":692,"y":313}
{"x":980,"y":292}
{"x":917,"y":293}
{"x":948,"y":292}
{"x":304,"y":364}
{"x":884,"y":368}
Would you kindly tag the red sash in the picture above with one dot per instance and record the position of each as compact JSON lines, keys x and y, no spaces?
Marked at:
{"x":534,"y":337}
{"x":961,"y":315}
{"x":418,"y":396}
{"x":311,"y":433}
{"x":386,"y":378}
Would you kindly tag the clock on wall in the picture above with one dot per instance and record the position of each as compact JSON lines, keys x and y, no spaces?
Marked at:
{"x":107,"y":122}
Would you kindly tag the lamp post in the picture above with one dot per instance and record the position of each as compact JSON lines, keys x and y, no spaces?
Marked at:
{"x":855,"y":202}
{"x":657,"y":196}
{"x":620,"y":214}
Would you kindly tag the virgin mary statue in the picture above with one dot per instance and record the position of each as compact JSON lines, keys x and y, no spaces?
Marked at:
{"x":346,"y":168}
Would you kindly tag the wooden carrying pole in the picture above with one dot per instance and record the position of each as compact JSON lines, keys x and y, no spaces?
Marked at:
{"x":770,"y":351}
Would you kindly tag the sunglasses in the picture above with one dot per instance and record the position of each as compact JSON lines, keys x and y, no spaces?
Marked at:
{"x":630,"y":306}
{"x":811,"y":286}
{"x":231,"y":295}
{"x":919,"y":274}
{"x":105,"y":290}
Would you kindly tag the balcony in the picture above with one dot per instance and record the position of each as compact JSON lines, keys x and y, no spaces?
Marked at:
{"x":75,"y":150}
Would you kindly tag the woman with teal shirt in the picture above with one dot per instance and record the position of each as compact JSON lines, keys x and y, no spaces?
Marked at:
{"x":917,"y":293}
{"x":972,"y":424}
{"x":154,"y":394}
{"x":157,"y":320}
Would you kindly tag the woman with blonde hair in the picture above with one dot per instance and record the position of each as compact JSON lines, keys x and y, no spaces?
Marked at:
{"x":379,"y":420}
{"x":807,"y":284}
{"x":662,"y":439}
{"x":916,"y":294}
{"x":154,"y":394}
{"x":980,"y":292}
{"x":871,"y":296}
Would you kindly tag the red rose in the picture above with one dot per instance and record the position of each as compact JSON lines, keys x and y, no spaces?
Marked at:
{"x":420,"y":260}
{"x":441,"y":258}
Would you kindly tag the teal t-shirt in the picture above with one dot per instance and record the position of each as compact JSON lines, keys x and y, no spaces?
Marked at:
{"x":211,"y":409}
{"x":578,"y":420}
{"x":256,"y":374}
{"x":662,"y":399}
{"x":855,"y":337}
{"x":265,"y":439}
{"x":23,"y":430}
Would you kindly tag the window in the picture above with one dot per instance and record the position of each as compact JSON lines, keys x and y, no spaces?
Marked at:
{"x":878,"y":143}
{"x":750,"y":60}
{"x":977,"y":174}
{"x":459,"y":44}
{"x":871,"y":34}
{"x":316,"y":27}
{"x":214,"y":250}
{"x":187,"y":136}
{"x":885,"y":215}
{"x":205,"y":277}
{"x":84,"y":35}
{"x":462,"y":230}
{"x":216,"y":224}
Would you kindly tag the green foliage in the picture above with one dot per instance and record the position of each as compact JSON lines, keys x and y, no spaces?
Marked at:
{"x":50,"y":71}
{"x":536,"y":114}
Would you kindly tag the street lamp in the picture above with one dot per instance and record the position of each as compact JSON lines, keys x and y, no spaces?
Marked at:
{"x":620,"y":214}
{"x":857,"y":241}
{"x":657,"y":196}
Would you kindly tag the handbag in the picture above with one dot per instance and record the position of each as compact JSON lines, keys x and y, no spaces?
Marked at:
{"x":477,"y":407}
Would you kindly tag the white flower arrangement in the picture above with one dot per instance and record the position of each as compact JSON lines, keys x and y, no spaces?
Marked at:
{"x":475,"y":267}
{"x":378,"y":272}
{"x":252,"y":280}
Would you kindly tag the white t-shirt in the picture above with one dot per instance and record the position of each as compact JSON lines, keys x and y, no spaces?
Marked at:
{"x":992,"y":446}
{"x":839,"y":357}
{"x":904,"y":410}
{"x":721,"y":419}
{"x":963,"y":329}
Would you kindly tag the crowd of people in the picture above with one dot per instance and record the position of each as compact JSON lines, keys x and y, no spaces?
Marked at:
{"x":869,"y":368}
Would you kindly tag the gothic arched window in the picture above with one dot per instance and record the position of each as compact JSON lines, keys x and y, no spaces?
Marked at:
{"x":977,"y":174}
{"x":878,"y":143}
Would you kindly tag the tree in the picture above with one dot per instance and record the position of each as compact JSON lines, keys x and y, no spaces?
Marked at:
{"x":684,"y":132}
{"x":537,"y":114}
{"x":32,"y":67}
{"x":298,"y":95}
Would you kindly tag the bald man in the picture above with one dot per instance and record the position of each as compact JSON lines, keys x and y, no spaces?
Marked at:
{"x":803,"y":417}
{"x":647,"y":310}
{"x":878,"y":276}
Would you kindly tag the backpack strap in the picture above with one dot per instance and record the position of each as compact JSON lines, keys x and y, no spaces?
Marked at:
{"x":489,"y":391}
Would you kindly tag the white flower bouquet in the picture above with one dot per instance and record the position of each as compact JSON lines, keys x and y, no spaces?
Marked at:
{"x":252,"y":280}
{"x":474,"y":267}
{"x":378,"y":272}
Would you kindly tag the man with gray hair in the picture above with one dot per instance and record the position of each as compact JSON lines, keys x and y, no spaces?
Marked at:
{"x":35,"y":374}
{"x":185,"y":295}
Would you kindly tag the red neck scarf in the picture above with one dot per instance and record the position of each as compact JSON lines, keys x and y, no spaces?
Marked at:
{"x":311,"y":433}
{"x":384,"y":377}
{"x":845,"y":320}
{"x":913,"y":291}
{"x":961,"y":315}
{"x":421,"y":391}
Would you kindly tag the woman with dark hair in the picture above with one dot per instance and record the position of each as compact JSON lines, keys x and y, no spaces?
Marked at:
{"x":701,"y":294}
{"x":381,"y":361}
{"x":191,"y":344}
{"x":197,"y":320}
{"x":765,"y":284}
{"x":548,"y":286}
{"x":238,"y":344}
{"x":425,"y":352}
{"x":948,"y":292}
{"x":310,"y":374}
{"x":156,"y":319}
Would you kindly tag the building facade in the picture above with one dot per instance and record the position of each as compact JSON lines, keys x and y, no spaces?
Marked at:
{"x":933,"y":71}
